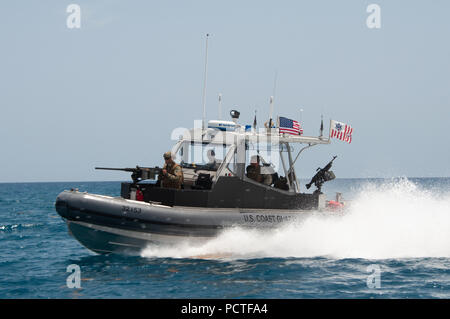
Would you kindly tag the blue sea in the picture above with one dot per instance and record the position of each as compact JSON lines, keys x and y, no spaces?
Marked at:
{"x":393,"y":241}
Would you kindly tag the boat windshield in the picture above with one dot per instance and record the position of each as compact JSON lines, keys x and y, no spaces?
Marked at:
{"x":263,"y":163}
{"x":205,"y":156}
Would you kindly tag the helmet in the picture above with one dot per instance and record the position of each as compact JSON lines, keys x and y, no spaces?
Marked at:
{"x":254,"y":159}
{"x":167,"y":155}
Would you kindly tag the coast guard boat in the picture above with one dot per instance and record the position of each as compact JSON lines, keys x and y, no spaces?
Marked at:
{"x":215,"y":196}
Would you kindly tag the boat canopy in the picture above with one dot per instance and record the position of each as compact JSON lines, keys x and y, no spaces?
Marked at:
{"x":216,"y":136}
{"x":235,"y":149}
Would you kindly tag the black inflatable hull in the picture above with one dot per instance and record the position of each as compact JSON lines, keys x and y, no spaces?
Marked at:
{"x":107,"y":224}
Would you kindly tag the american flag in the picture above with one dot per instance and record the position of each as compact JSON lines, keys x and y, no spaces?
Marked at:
{"x":341,"y":131}
{"x":289,"y":126}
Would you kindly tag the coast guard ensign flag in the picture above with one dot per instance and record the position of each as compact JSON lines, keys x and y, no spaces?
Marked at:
{"x":341,"y":131}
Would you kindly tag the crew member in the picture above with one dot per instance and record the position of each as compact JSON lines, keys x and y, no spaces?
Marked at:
{"x":172,"y":174}
{"x":254,"y":169}
{"x":213,"y":163}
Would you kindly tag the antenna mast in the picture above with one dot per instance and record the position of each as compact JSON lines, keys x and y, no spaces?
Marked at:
{"x":272,"y":101}
{"x":321,"y":126}
{"x":271,"y":111}
{"x":204,"y":84}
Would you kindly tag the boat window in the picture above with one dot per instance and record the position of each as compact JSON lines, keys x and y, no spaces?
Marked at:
{"x":202,"y":155}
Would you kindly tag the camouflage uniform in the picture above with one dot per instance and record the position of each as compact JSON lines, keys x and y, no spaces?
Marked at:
{"x":174,"y":177}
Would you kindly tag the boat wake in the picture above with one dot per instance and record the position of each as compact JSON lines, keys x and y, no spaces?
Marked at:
{"x":397,"y":219}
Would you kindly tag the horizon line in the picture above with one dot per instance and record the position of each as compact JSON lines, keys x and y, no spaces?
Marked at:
{"x":124,"y":181}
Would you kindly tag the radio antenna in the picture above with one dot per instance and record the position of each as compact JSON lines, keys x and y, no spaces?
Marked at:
{"x":271,"y":111}
{"x":272,"y":98}
{"x":220,"y":106}
{"x":204,"y":84}
{"x":321,"y":126}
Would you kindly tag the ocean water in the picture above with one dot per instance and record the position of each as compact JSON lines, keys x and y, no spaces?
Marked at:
{"x":392,"y":242}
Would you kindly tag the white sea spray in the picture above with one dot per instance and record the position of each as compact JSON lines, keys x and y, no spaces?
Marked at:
{"x":396,"y":219}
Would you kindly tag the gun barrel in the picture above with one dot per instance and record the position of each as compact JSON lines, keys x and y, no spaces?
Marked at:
{"x":328,"y":166}
{"x":138,"y":173}
{"x":117,"y":169}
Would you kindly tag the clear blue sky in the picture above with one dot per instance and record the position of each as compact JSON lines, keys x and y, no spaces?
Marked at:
{"x":111,"y":92}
